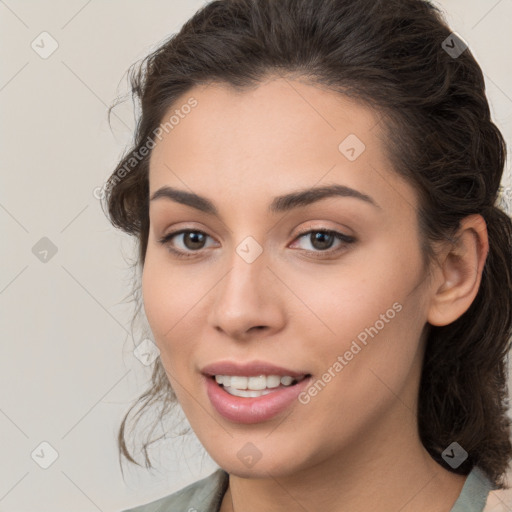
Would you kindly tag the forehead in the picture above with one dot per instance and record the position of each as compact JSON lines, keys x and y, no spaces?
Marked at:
{"x":274,"y":116}
{"x":278,"y":133}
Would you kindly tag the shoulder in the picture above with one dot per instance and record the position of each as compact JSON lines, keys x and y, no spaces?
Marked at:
{"x":475,"y":491}
{"x":204,"y":496}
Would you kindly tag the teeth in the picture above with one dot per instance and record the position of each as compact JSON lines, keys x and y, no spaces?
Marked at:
{"x":247,"y":393}
{"x":255,"y":383}
{"x":239,"y":382}
{"x":259,"y":383}
{"x":273,"y":381}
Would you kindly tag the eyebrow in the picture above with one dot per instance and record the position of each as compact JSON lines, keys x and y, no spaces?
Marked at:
{"x":279,"y":204}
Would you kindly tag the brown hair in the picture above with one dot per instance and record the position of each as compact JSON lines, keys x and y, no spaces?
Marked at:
{"x":392,"y":55}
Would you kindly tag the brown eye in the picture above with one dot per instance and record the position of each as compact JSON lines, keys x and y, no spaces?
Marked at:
{"x":194,"y":239}
{"x":188,"y":242}
{"x":322,"y":240}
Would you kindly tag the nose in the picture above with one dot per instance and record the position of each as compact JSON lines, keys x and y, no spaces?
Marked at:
{"x":247,"y":301}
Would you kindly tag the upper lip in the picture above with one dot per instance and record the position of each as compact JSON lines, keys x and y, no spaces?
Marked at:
{"x":250,"y":369}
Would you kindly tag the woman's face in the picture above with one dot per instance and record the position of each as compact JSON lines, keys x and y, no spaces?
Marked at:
{"x":260,"y":283}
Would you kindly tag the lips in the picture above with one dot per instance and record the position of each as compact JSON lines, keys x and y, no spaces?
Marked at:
{"x":247,"y":408}
{"x":252,"y":369}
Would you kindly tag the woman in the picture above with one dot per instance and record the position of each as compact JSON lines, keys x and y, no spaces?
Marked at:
{"x":326,"y":274}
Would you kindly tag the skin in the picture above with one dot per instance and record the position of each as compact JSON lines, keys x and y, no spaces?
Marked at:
{"x":355,"y":445}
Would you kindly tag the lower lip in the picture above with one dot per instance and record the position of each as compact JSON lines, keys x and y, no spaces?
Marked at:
{"x":252,"y":410}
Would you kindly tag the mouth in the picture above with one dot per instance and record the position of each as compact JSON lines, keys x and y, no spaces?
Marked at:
{"x":252,"y":393}
{"x":256,"y":386}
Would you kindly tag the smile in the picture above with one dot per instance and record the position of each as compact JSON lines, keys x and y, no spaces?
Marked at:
{"x":252,"y":387}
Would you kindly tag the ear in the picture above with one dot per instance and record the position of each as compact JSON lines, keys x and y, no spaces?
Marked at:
{"x":459,"y":272}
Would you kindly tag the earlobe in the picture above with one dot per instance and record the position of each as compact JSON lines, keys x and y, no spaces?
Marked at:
{"x":460,"y":272}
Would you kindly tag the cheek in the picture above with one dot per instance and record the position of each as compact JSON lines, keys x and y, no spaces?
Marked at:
{"x":345,"y":301}
{"x":169,"y":303}
{"x":169,"y":307}
{"x":370,"y":313}
{"x":368,"y":362}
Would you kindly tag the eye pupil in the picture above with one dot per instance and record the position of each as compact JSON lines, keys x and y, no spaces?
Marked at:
{"x":320,"y":236}
{"x":196,"y":238}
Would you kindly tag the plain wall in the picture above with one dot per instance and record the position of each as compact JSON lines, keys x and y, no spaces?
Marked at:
{"x":67,"y":368}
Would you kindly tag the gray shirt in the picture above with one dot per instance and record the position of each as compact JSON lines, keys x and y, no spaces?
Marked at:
{"x":206,"y":495}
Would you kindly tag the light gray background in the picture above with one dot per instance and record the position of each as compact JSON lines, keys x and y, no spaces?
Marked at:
{"x":67,"y":368}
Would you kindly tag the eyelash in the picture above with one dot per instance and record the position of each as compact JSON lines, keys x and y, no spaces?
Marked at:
{"x":345,"y":239}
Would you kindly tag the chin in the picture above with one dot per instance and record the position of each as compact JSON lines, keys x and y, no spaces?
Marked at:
{"x":277,"y":465}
